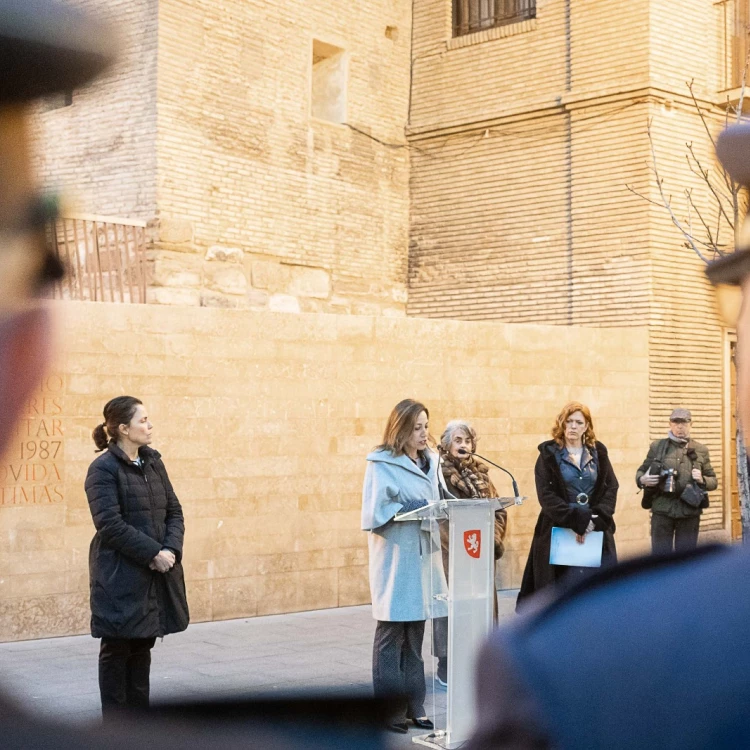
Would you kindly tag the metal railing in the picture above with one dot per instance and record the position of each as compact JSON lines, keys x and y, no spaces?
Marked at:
{"x":477,"y":15}
{"x":104,"y":259}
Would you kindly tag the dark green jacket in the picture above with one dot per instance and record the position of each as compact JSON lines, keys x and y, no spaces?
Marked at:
{"x":676,"y":457}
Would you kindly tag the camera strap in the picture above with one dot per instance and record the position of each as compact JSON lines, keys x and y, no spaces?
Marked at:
{"x":663,"y":451}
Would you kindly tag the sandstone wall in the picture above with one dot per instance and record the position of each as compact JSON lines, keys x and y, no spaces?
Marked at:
{"x":264,"y":420}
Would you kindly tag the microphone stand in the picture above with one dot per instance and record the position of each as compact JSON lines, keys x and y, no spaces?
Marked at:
{"x":464,"y":452}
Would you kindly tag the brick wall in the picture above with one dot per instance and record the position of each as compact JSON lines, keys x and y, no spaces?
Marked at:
{"x":101,"y":150}
{"x":264,"y":421}
{"x":524,"y":140}
{"x":318,"y":210}
{"x":522,"y":143}
{"x":251,"y":201}
{"x":474,"y":252}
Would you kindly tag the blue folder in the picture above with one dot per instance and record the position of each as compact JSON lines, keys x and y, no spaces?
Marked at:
{"x":565,"y":550}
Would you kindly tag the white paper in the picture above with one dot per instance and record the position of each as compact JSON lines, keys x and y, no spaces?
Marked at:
{"x":565,"y":550}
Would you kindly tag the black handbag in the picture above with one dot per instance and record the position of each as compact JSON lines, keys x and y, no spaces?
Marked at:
{"x":695,"y":496}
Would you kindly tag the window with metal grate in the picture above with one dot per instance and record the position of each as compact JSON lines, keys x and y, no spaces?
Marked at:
{"x":470,"y":16}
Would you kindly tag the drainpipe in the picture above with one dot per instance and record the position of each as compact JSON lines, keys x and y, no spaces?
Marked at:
{"x":569,"y":160}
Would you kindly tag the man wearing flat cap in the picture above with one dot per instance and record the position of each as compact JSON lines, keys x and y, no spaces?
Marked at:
{"x":675,"y":478}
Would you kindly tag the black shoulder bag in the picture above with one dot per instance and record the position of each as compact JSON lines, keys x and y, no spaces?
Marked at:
{"x":694,"y":495}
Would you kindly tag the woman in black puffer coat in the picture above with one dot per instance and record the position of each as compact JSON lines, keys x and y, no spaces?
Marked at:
{"x":136,"y":578}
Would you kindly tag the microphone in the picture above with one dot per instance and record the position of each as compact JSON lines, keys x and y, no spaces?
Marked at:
{"x":464,"y":452}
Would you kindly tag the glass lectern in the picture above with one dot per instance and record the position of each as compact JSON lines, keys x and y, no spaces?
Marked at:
{"x":470,"y":602}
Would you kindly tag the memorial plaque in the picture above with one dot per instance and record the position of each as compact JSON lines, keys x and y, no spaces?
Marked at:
{"x":32,"y":471}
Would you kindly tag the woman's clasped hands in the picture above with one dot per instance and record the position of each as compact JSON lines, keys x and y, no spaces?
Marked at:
{"x":163,"y":562}
{"x":581,"y":538}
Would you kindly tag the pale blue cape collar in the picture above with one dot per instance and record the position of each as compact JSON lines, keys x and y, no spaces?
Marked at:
{"x":386,"y":457}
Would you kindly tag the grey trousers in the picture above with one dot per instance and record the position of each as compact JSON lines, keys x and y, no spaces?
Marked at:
{"x":398,"y":667}
{"x":673,"y":534}
{"x":440,"y":637}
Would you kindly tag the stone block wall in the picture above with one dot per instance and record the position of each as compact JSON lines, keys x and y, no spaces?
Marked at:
{"x":264,"y":420}
{"x":205,"y":129}
{"x":273,"y":208}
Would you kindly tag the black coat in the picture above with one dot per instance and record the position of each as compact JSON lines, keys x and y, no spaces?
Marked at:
{"x":136,"y":514}
{"x":557,"y":511}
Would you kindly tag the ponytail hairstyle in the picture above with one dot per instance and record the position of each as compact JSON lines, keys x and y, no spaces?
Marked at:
{"x":119,"y":410}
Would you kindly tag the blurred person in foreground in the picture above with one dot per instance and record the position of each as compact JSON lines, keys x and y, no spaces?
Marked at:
{"x":466,"y":477}
{"x":649,"y":654}
{"x":676,"y":477}
{"x":46,"y":48}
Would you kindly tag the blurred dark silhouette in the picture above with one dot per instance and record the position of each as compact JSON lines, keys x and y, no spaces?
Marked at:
{"x":46,"y":47}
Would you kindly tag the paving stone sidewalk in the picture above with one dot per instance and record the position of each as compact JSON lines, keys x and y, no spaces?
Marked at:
{"x":327,"y":651}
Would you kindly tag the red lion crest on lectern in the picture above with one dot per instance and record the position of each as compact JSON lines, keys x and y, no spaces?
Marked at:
{"x":473,"y":542}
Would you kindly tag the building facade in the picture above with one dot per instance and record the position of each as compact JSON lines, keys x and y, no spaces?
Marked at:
{"x":263,"y":143}
{"x":526,"y":138}
{"x":378,"y":200}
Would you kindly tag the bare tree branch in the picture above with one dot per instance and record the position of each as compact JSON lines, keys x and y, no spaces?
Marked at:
{"x":727,"y":179}
{"x":667,"y":202}
{"x":704,"y":174}
{"x":711,"y":241}
{"x":701,"y":114}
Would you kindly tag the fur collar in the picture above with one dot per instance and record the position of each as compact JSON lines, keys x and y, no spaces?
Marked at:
{"x":468,"y":477}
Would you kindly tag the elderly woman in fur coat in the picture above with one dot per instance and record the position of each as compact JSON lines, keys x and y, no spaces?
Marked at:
{"x":465,"y":477}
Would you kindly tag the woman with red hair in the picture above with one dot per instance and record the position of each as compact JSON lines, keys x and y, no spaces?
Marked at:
{"x":577,"y":489}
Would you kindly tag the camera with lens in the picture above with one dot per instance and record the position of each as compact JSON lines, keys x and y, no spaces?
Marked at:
{"x":668,"y":481}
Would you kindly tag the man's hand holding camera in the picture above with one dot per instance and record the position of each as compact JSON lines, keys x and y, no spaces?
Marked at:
{"x":651,"y":480}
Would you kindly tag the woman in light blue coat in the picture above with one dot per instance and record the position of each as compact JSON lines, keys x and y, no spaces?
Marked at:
{"x":405,"y":559}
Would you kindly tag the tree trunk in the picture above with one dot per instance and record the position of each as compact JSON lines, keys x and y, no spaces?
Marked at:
{"x":743,"y":484}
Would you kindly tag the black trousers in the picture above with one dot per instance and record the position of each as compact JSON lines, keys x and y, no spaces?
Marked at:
{"x":673,"y":534}
{"x":398,"y":667}
{"x":124,"y":670}
{"x":440,"y":637}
